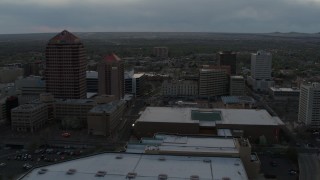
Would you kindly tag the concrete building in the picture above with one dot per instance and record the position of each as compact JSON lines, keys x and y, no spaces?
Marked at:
{"x":30,"y":88}
{"x":29,"y":117}
{"x":250,"y":123}
{"x":134,"y":83}
{"x":181,"y":88}
{"x":106,"y":119}
{"x":284,"y":93}
{"x":309,"y":105}
{"x":118,"y":166}
{"x":261,"y":68}
{"x":74,"y":109}
{"x":160,"y":52}
{"x":92,"y":81}
{"x":228,"y":58}
{"x":165,"y":144}
{"x":237,"y":86}
{"x":111,"y":76}
{"x":261,"y":65}
{"x":66,"y":65}
{"x":213,"y":82}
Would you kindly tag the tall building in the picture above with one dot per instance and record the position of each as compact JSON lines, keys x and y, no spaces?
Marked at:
{"x":111,"y":76}
{"x":261,"y":65}
{"x":237,"y":86}
{"x":261,"y":68}
{"x":92,"y":81}
{"x":213,"y":82}
{"x":228,"y":58}
{"x":66,"y":67}
{"x":309,"y":105}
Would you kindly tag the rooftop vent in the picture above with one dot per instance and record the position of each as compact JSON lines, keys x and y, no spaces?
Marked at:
{"x":162,"y":158}
{"x":42,"y":171}
{"x":207,"y":160}
{"x":71,"y":171}
{"x":131,"y":175}
{"x":119,"y":157}
{"x":194,"y":177}
{"x":101,"y":173}
{"x":162,"y":177}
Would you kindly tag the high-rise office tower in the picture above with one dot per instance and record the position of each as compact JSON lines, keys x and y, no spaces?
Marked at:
{"x":309,"y":105}
{"x":213,"y":82}
{"x":66,"y":65}
{"x":228,"y":58}
{"x":111,"y":76}
{"x":261,"y":68}
{"x":261,"y":65}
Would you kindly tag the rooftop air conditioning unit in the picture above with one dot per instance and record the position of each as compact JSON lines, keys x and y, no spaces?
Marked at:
{"x":194,"y":177}
{"x":71,"y":171}
{"x":162,"y":177}
{"x":101,"y":173}
{"x":131,"y":175}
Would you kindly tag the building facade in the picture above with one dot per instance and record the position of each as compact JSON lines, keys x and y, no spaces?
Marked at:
{"x":29,"y":117}
{"x":284,"y":93}
{"x":228,"y":58}
{"x":237,"y":86}
{"x":134,"y":83}
{"x":261,"y":65}
{"x":74,"y":110}
{"x":180,"y":88}
{"x":213,"y":82}
{"x":66,"y":65}
{"x":111,"y":76}
{"x":309,"y":105}
{"x":106,"y":119}
{"x":261,"y":68}
{"x":92,"y":81}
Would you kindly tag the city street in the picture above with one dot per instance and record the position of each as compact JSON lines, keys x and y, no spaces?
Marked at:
{"x":309,"y":167}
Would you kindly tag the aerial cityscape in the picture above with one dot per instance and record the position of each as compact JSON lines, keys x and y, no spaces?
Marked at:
{"x":169,"y":101}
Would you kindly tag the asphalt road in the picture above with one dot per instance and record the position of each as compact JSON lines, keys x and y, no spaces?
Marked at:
{"x":309,"y":167}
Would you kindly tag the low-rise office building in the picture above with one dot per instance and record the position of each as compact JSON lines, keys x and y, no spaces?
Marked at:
{"x":180,"y":88}
{"x":106,"y":119}
{"x":76,"y":109}
{"x":29,"y":117}
{"x":284,"y":93}
{"x":250,"y":123}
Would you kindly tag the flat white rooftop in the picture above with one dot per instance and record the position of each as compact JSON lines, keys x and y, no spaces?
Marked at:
{"x":195,"y":144}
{"x":167,"y":114}
{"x":248,"y":117}
{"x":146,"y":167}
{"x":219,"y":116}
{"x":138,"y":75}
{"x":285,"y":89}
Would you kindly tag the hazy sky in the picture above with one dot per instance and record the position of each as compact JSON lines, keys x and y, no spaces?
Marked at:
{"x":28,"y":16}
